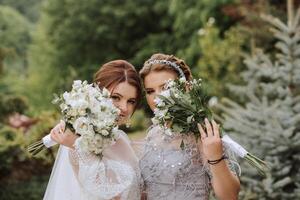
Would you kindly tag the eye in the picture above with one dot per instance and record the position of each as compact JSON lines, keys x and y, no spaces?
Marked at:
{"x":149,"y":91}
{"x":131,"y":101}
{"x":115,"y":98}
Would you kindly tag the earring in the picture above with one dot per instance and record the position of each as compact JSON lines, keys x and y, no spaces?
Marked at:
{"x":128,"y":124}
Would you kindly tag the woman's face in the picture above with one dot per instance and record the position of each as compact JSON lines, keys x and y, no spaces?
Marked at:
{"x":154,"y":83}
{"x":124,"y":97}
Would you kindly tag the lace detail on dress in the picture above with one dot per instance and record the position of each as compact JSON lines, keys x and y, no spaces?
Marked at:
{"x":109,"y":177}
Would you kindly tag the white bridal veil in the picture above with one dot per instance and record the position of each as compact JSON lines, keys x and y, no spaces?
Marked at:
{"x":63,"y":183}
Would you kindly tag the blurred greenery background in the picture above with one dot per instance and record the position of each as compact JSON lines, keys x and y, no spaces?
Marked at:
{"x":46,"y":44}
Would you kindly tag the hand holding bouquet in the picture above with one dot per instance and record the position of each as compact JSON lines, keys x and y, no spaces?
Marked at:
{"x":89,"y":112}
{"x":182,"y":106}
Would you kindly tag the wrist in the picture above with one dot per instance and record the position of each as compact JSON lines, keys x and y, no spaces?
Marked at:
{"x":216,"y":161}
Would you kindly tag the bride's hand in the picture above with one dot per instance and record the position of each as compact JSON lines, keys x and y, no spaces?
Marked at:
{"x":63,"y":136}
{"x":211,"y":140}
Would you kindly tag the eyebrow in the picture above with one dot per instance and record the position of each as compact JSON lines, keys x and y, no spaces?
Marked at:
{"x":158,"y":86}
{"x":133,"y":99}
{"x":115,"y":93}
{"x":122,"y":96}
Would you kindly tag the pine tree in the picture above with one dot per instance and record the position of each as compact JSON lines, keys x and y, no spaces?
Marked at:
{"x":268,"y":122}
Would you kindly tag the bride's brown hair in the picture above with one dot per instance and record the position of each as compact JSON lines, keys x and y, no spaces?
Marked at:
{"x":147,"y":68}
{"x":118,"y":71}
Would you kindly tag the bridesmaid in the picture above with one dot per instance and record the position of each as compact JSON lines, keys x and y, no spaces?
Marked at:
{"x":170,"y":173}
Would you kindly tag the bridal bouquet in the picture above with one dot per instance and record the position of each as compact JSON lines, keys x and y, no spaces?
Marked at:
{"x":182,"y":105}
{"x":89,"y":112}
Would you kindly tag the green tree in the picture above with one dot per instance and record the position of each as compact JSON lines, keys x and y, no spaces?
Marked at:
{"x":14,"y":34}
{"x":268,"y":122}
{"x":221,"y":58}
{"x":189,"y":17}
{"x":28,"y":8}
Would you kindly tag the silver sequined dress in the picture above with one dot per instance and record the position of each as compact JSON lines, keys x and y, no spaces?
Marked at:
{"x":172,"y":173}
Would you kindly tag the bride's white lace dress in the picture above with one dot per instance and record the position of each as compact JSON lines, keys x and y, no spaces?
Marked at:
{"x":80,"y":175}
{"x":170,"y":173}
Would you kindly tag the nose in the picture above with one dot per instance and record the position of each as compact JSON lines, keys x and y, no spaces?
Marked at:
{"x":123,"y":107}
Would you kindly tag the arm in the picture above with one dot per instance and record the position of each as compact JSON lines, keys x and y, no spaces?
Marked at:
{"x":105,"y":178}
{"x":225,"y":184}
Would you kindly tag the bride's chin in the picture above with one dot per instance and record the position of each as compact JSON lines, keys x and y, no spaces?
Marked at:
{"x":120,"y":121}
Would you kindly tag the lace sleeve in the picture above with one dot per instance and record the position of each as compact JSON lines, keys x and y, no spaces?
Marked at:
{"x":101,"y":178}
{"x":231,"y":162}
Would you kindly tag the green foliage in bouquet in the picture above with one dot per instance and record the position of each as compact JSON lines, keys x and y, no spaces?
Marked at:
{"x":46,"y":122}
{"x":184,"y":109}
{"x":182,"y":105}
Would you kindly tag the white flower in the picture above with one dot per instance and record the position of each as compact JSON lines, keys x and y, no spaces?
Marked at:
{"x":66,"y":96}
{"x":80,"y":105}
{"x":182,"y":80}
{"x":104,"y":132}
{"x":160,"y":114}
{"x":213,"y":101}
{"x":115,"y":133}
{"x":167,"y":131}
{"x":92,"y":114}
{"x":165,"y":93}
{"x":155,"y":121}
{"x":159,"y":102}
{"x":169,"y":84}
{"x":81,"y":126}
{"x":76,"y":84}
{"x":105,"y":92}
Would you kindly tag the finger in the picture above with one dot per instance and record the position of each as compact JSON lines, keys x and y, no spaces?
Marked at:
{"x":208,"y":128}
{"x":53,"y":135}
{"x":201,"y":130}
{"x":62,"y":125}
{"x":216,"y":129}
{"x":57,"y":130}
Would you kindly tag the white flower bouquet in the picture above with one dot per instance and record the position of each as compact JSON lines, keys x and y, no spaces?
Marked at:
{"x":182,"y":105}
{"x":89,"y":112}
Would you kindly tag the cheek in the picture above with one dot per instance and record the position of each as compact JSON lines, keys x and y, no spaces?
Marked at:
{"x":130,"y":108}
{"x":150,"y":99}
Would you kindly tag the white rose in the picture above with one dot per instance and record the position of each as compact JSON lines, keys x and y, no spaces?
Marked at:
{"x":182,"y":80}
{"x":66,"y":96}
{"x":81,"y":126}
{"x":155,"y":121}
{"x":105,"y":92}
{"x":104,"y":132}
{"x":76,"y":84}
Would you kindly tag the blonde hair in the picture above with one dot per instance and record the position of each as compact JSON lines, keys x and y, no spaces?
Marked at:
{"x":147,"y":68}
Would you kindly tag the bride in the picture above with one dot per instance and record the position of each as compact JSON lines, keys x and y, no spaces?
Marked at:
{"x":79,"y":175}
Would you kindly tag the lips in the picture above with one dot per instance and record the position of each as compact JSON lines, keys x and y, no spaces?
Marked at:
{"x":121,"y":117}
